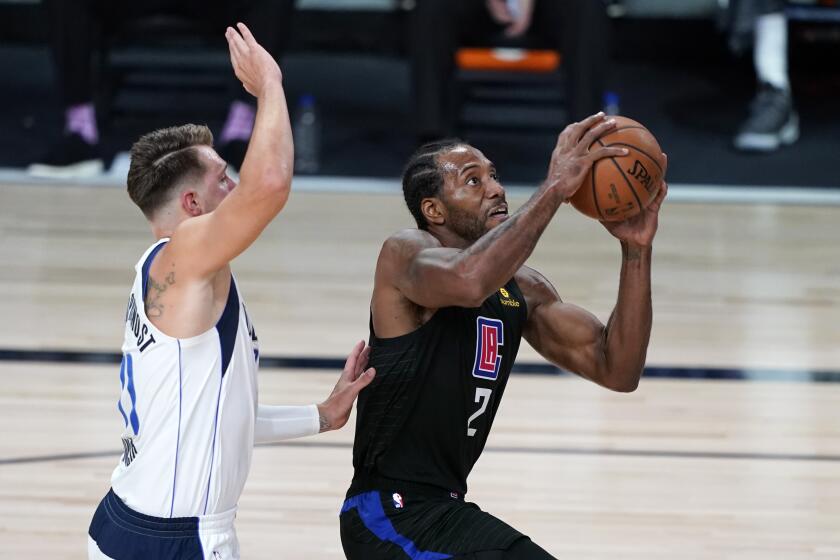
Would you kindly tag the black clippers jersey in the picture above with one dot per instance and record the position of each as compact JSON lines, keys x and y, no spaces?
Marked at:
{"x":426,"y":416}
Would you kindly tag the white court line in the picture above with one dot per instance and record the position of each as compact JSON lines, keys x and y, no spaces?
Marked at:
{"x":678,"y":192}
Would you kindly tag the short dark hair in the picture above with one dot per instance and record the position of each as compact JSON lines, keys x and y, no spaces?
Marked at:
{"x":422,"y":177}
{"x":160,"y":160}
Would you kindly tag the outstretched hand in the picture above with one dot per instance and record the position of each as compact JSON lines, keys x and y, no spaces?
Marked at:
{"x":641,"y":228}
{"x":335,"y":411}
{"x":252,"y":64}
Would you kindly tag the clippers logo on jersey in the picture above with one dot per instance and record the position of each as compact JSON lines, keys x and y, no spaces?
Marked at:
{"x":488,"y":337}
{"x":398,"y":501}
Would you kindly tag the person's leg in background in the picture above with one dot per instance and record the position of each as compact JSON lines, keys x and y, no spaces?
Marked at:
{"x":772,"y":120}
{"x":580,"y":30}
{"x":270,"y":22}
{"x":76,"y":28}
{"x":436,"y":29}
{"x":73,"y":28}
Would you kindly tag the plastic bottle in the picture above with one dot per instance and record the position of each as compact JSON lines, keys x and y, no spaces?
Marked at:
{"x":307,"y":136}
{"x":611,"y":104}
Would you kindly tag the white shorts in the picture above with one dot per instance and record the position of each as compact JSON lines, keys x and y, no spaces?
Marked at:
{"x":119,"y":533}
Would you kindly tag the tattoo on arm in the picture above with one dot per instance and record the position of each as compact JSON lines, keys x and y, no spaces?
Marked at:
{"x":529,"y":222}
{"x":154,"y":308}
{"x":486,"y":240}
{"x":325,"y":424}
{"x":630,"y":253}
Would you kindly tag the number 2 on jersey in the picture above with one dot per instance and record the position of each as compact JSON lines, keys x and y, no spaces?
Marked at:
{"x":482,"y":396}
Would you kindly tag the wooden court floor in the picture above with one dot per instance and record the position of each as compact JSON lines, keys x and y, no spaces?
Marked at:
{"x":680,"y":469}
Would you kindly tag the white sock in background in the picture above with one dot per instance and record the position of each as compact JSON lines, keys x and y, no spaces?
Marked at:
{"x":770,"y":54}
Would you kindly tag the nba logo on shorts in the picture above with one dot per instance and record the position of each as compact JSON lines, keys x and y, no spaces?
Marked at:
{"x":489,"y":336}
{"x":398,"y":501}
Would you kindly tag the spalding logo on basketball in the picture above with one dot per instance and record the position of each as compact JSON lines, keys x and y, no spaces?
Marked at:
{"x":618,"y":188}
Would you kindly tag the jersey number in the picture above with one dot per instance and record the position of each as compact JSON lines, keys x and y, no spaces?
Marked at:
{"x":127,"y":390}
{"x":482,"y":396}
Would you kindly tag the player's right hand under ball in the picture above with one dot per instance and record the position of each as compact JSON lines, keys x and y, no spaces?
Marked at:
{"x":641,"y":228}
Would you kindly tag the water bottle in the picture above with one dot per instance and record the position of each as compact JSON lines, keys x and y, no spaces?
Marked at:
{"x":611,"y":106}
{"x":307,"y":136}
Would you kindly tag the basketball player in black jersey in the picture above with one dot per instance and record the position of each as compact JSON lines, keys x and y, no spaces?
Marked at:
{"x":451,"y":301}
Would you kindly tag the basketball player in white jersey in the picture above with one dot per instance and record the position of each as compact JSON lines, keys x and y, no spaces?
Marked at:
{"x":190,"y":355}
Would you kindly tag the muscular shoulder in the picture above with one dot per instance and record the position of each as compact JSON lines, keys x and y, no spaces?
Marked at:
{"x":409,"y":240}
{"x":401,"y":247}
{"x":395,"y":313}
{"x":535,"y":287}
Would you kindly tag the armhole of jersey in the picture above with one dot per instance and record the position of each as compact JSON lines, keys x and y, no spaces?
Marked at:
{"x":147,"y":265}
{"x":372,"y":337}
{"x":228,"y":324}
{"x":376,"y":341}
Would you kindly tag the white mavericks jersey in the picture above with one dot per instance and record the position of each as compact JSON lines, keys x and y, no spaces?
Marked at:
{"x":189,"y":407}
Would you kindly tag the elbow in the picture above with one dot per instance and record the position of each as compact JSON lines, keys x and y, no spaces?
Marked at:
{"x":625,"y":386}
{"x":275,"y":187}
{"x":622,"y":372}
{"x":473,"y":300}
{"x":463,"y":283}
{"x":270,"y":177}
{"x":623,"y":382}
{"x":277,"y":181}
{"x":473,"y":288}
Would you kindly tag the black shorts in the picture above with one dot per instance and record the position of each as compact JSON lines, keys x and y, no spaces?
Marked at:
{"x":411,"y":521}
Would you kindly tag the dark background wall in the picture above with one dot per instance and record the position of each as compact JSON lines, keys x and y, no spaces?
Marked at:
{"x":673,"y":74}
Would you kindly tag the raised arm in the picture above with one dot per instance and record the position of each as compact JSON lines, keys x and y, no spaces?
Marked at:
{"x":209,"y":242}
{"x":572,"y":338}
{"x":431,"y":276}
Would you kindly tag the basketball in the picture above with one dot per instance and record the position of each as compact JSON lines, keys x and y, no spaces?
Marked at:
{"x":617,"y":188}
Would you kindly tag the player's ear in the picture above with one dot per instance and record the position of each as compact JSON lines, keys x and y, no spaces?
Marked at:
{"x":190,"y":202}
{"x":433,"y":210}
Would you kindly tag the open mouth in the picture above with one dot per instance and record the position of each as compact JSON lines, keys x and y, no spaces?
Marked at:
{"x":501,"y":211}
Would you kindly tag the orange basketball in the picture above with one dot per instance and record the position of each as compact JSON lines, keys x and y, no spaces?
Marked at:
{"x":618,"y":188}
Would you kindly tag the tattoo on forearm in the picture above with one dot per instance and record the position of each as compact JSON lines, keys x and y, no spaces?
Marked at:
{"x":529,"y":238}
{"x":154,"y":308}
{"x":535,"y":216}
{"x":325,"y":424}
{"x":630,"y":253}
{"x":490,"y":237}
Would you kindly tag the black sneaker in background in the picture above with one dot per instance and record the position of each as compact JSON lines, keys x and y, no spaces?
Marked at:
{"x":69,"y":158}
{"x":772,"y":122}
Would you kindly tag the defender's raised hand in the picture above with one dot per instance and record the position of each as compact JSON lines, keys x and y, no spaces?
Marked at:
{"x":572,"y":159}
{"x":252,"y":64}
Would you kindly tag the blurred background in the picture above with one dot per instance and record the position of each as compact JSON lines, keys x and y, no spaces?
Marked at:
{"x":685,"y":69}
